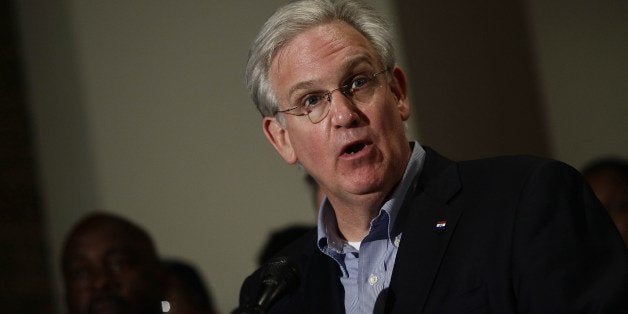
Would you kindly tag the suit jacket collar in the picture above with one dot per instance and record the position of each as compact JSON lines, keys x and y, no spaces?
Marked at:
{"x":439,"y":178}
{"x":427,"y":222}
{"x":320,"y":290}
{"x":324,"y":293}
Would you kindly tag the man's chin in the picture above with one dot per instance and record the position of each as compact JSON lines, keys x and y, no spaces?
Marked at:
{"x":109,"y":305}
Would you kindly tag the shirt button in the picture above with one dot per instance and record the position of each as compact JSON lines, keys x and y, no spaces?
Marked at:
{"x":397,"y":241}
{"x":372,"y":280}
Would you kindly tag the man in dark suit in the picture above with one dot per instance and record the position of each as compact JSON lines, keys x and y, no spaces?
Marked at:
{"x":403,"y":229}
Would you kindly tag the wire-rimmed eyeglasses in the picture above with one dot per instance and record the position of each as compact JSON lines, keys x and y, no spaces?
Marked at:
{"x":359,"y":90}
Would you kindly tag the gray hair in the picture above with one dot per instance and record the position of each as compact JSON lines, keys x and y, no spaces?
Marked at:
{"x":294,"y":18}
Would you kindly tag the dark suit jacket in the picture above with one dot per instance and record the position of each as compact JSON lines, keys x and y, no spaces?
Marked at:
{"x":522,"y":235}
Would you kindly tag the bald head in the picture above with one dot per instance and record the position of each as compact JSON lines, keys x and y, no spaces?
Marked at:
{"x":110,"y":265}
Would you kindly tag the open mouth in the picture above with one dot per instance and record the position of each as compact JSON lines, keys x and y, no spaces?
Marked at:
{"x":354,"y":148}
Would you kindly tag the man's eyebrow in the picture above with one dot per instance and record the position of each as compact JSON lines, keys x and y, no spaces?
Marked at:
{"x":298,"y":86}
{"x":355,"y":61}
{"x":349,"y":65}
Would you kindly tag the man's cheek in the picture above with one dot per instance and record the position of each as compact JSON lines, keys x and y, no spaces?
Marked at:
{"x":80,"y":300}
{"x":132,"y":285}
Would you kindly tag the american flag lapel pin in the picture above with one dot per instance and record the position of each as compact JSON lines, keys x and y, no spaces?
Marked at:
{"x":441,"y":225}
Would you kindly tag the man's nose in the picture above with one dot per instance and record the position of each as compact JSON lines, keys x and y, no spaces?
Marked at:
{"x":101,"y":280}
{"x":344,"y":113}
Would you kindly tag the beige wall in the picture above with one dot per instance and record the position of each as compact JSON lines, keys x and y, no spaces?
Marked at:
{"x":140,"y":109}
{"x":582,"y":54}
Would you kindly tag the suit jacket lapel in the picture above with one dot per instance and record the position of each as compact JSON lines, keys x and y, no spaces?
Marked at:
{"x":320,"y":290}
{"x":427,"y":223}
{"x":323,"y":290}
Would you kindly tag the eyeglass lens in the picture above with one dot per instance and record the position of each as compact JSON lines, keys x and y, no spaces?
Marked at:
{"x":359,"y":91}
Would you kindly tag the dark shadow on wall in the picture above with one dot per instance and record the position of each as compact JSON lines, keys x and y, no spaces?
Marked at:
{"x":23,"y":263}
{"x":472,"y":73}
{"x":61,"y":133}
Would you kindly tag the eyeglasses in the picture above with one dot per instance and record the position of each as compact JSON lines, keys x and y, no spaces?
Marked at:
{"x":359,"y":90}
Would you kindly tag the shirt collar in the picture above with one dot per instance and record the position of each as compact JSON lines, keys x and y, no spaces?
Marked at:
{"x":329,"y":240}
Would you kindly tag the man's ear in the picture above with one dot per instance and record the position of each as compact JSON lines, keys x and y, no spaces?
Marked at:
{"x":277,"y":135}
{"x":399,"y":88}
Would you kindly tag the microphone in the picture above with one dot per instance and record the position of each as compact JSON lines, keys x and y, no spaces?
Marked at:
{"x":279,"y":276}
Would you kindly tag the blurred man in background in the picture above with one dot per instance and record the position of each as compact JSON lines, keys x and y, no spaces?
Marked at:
{"x":186,"y":292}
{"x":110,"y":265}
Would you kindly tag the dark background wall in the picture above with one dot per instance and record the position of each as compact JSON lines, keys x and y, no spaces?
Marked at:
{"x":25,"y":284}
{"x":473,"y":75}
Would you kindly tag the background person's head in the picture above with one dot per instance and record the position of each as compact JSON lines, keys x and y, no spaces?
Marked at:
{"x":110,"y":265}
{"x":186,"y":291}
{"x":608,"y":178}
{"x":279,"y":239}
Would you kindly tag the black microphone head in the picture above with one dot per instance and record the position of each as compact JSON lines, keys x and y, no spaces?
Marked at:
{"x":279,"y":276}
{"x":280,"y":268}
